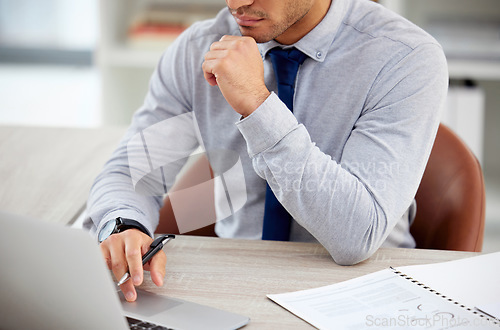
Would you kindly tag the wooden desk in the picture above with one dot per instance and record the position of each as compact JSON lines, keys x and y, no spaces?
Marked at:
{"x":236,"y":275}
{"x":46,"y":173}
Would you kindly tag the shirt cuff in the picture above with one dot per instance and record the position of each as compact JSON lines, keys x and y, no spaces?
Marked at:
{"x":126,"y":214}
{"x":267,"y":125}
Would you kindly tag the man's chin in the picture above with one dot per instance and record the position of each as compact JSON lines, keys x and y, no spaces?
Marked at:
{"x":259,"y":38}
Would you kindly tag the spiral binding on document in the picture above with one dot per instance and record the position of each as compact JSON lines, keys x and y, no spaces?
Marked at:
{"x":422,"y":285}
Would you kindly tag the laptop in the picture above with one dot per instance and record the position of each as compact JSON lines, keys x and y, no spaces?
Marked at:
{"x":54,"y":277}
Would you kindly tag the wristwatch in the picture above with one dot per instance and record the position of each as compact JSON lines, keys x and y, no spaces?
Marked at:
{"x":117,"y":226}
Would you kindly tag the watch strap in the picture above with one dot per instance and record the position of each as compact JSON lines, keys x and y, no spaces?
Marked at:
{"x":124,"y":224}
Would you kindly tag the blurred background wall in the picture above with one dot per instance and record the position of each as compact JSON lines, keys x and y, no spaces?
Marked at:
{"x":48,"y":75}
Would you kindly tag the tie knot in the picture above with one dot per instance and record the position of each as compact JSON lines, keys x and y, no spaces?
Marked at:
{"x":290,"y":54}
{"x":286,"y":64}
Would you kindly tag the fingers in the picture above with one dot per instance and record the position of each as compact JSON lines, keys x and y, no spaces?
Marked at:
{"x":219,"y":56}
{"x":229,"y":38}
{"x":235,"y":64}
{"x":133,"y":255}
{"x":113,"y":247}
{"x":123,"y":252}
{"x":128,"y":290}
{"x":157,"y":268}
{"x":209,"y":76}
{"x":234,"y":42}
{"x":209,"y":66}
{"x":226,"y":41}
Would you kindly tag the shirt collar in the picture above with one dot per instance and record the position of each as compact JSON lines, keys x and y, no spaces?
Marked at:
{"x":318,"y":41}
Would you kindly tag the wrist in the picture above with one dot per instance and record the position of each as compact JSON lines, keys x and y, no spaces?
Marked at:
{"x":119,"y":225}
{"x":255,"y":103}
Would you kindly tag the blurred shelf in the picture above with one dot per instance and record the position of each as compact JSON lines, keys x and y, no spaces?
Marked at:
{"x":474,"y":69}
{"x":125,"y":69}
{"x":123,"y":56}
{"x":467,"y":30}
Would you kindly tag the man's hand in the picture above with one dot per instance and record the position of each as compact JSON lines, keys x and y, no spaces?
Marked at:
{"x":235,"y":65}
{"x":123,"y":251}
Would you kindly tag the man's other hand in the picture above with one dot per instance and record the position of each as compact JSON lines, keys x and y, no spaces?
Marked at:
{"x":235,"y":65}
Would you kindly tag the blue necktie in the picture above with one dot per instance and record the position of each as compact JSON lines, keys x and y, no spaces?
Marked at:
{"x":286,"y":64}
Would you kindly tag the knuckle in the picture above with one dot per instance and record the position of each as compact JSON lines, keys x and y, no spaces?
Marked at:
{"x":104,"y":247}
{"x":129,"y":233}
{"x":219,"y":66}
{"x":132,"y":253}
{"x":247,"y":41}
{"x":112,"y":240}
{"x":118,"y":264}
{"x":132,"y":235}
{"x":231,"y":54}
{"x":214,"y":45}
{"x":109,"y":263}
{"x":239,"y":45}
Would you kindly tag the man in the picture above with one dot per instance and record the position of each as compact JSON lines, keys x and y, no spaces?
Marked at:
{"x":345,"y":164}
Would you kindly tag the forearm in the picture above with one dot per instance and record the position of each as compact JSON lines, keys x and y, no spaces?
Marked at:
{"x":351,"y":203}
{"x":328,"y":201}
{"x":339,"y":209}
{"x":161,"y":137}
{"x":113,"y":195}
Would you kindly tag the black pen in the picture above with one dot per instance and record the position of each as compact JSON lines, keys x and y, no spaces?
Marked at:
{"x":156,"y":246}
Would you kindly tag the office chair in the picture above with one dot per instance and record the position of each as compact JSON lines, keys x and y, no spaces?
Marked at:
{"x":199,"y":204}
{"x":450,"y":198}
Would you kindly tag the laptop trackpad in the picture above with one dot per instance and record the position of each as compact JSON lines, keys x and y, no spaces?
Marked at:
{"x":179,"y":314}
{"x":148,"y":304}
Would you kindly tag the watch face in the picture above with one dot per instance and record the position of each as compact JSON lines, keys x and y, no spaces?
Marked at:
{"x":107,"y":230}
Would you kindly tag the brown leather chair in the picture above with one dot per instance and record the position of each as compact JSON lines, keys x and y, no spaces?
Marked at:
{"x":450,"y":198}
{"x":200,"y":200}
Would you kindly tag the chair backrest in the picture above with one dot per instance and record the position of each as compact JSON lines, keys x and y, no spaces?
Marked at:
{"x":450,"y":198}
{"x":198,"y":203}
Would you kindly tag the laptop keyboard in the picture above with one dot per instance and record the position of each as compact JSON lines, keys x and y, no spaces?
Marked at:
{"x":135,"y":324}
